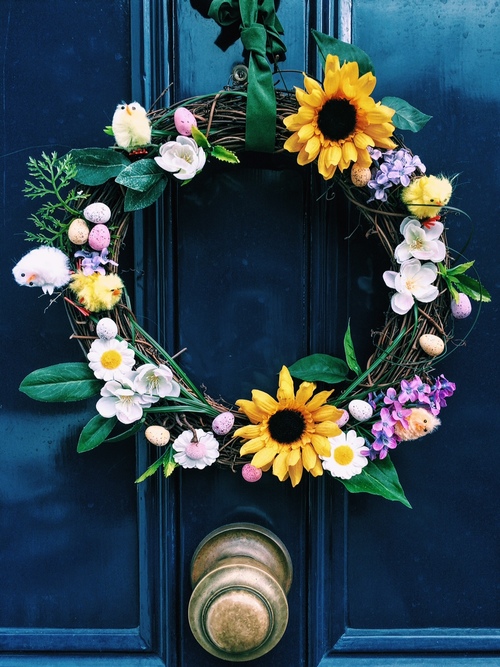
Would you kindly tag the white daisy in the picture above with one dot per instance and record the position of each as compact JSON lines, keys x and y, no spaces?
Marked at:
{"x":347,"y":456}
{"x":110,"y":358}
{"x":191,"y":454}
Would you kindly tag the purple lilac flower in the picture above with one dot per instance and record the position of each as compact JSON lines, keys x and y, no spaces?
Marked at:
{"x":385,"y":425}
{"x":92,"y":261}
{"x":400,"y":413}
{"x":442,"y":390}
{"x":382,"y":444}
{"x":395,"y":169}
{"x":391,"y":396}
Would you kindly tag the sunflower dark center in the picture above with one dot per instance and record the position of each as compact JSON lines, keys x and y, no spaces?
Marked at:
{"x":337,"y":119}
{"x":286,"y":426}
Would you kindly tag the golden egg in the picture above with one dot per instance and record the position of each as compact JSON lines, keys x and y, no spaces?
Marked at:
{"x":431,"y":344}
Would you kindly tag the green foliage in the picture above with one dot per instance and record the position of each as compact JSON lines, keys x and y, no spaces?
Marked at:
{"x":350,"y":354}
{"x":457,"y":282}
{"x":218,"y":152}
{"x":407,"y":117}
{"x":52,"y":177}
{"x":166,"y":460}
{"x":378,"y":478}
{"x":95,"y":433}
{"x":346,"y":52}
{"x":73,"y":381}
{"x":95,"y":166}
{"x":320,"y":368}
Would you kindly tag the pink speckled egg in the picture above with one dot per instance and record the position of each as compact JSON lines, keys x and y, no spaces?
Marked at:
{"x":250,"y":473}
{"x":341,"y":421}
{"x":463,"y":308}
{"x":98,"y":213}
{"x":184,"y":121}
{"x":99,"y":237}
{"x":223,"y":423}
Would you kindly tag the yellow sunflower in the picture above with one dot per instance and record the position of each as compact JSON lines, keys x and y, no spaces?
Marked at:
{"x":337,"y":122}
{"x":289,"y":434}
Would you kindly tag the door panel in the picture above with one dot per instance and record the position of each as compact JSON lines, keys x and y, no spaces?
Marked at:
{"x":248,"y":268}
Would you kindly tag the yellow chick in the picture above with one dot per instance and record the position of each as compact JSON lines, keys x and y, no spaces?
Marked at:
{"x":425,"y":196}
{"x":97,"y":292}
{"x":131,"y":126}
{"x":421,"y":422}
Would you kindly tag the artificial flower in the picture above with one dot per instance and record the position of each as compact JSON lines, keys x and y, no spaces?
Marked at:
{"x":348,"y":456}
{"x":414,"y":281}
{"x":94,"y":261}
{"x":289,"y":434}
{"x":110,"y":358}
{"x":420,"y":241}
{"x":155,"y":380}
{"x":395,"y":168}
{"x":182,"y":157}
{"x":120,"y":400}
{"x":337,"y":122}
{"x":195,"y":452}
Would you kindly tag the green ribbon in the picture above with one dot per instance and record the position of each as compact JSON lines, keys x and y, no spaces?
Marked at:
{"x":260,"y":32}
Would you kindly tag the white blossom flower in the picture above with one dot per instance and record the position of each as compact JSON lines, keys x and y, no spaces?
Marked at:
{"x":414,"y":281}
{"x":191,"y":454}
{"x":120,"y":400}
{"x":182,"y":157}
{"x":155,"y":380}
{"x":421,"y":242}
{"x":347,"y":457}
{"x":110,"y":358}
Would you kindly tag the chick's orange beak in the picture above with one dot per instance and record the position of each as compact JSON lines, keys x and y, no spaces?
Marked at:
{"x":127,"y":109}
{"x":32,"y":277}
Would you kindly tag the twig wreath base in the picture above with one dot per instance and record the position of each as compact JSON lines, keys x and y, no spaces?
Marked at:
{"x":398,"y":382}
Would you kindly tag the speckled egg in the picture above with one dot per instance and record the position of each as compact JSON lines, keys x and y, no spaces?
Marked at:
{"x":184,"y":121}
{"x":106,"y":328}
{"x":99,"y":237}
{"x":223,"y":423}
{"x":78,"y":231}
{"x":250,"y":473}
{"x":360,"y":175}
{"x":461,"y":309}
{"x":431,"y":344}
{"x":98,"y":213}
{"x":342,"y":421}
{"x":360,"y":410}
{"x":157,"y":435}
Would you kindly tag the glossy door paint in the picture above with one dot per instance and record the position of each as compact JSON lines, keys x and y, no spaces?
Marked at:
{"x":241,"y":268}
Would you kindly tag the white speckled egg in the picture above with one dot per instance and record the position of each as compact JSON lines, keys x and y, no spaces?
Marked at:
{"x":342,"y":421}
{"x":184,"y":121}
{"x":157,"y":435}
{"x":223,"y":423}
{"x":106,"y":328}
{"x":431,"y":344}
{"x":360,"y":410}
{"x":99,"y":237}
{"x":463,"y":308}
{"x":78,"y":231}
{"x":98,"y":213}
{"x":360,"y":175}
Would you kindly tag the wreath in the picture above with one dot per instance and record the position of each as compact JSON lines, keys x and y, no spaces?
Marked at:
{"x":90,"y":195}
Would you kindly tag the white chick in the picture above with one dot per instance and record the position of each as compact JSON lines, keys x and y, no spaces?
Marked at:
{"x":44,"y":267}
{"x":131,"y":126}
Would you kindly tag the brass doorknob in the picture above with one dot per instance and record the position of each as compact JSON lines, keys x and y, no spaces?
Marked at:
{"x":241,"y":574}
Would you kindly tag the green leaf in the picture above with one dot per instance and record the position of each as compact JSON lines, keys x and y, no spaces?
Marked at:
{"x":126,"y":434}
{"x":350,"y":355}
{"x":199,"y":137}
{"x":346,"y":52}
{"x":95,"y":166}
{"x":379,"y":478}
{"x":141,"y":175}
{"x":95,"y":433}
{"x":166,"y":460}
{"x":320,"y":367}
{"x":224,"y":154}
{"x":460,"y":268}
{"x":109,"y":131}
{"x":135,"y":200}
{"x":407,"y":117}
{"x":61,"y":383}
{"x":472,"y":288}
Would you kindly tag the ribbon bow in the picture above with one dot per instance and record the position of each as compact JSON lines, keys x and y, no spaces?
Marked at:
{"x":260,"y":32}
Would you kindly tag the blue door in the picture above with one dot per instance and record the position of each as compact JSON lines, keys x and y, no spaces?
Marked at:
{"x":239,"y":268}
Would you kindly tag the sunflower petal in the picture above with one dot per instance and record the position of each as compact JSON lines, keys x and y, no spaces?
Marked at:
{"x":318,"y":400}
{"x":280,"y":466}
{"x":247,"y":432}
{"x":306,"y":132}
{"x":251,"y":410}
{"x":309,"y":457}
{"x":295,"y":472}
{"x":304,"y":392}
{"x":349,"y":152}
{"x":317,"y":471}
{"x":264,"y":402}
{"x":285,"y":389}
{"x":313,"y":147}
{"x":321,"y":445}
{"x":326,"y":413}
{"x":328,"y":429}
{"x":264,"y":456}
{"x":293,"y":144}
{"x":293,"y":456}
{"x":252,"y":446}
